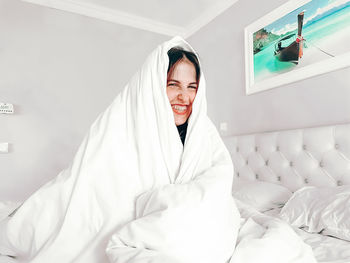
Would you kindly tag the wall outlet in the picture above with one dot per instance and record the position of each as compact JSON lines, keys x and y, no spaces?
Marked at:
{"x":223,"y":126}
{"x":4,"y":147}
{"x":6,"y":108}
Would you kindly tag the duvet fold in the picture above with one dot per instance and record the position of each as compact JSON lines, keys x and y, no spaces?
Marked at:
{"x":193,"y":222}
{"x":266,"y":239}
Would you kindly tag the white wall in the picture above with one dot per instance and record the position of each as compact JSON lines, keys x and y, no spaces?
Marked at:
{"x":60,"y":70}
{"x":321,"y":100}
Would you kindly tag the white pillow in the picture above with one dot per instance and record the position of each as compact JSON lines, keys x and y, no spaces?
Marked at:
{"x":261,"y":195}
{"x":317,"y":209}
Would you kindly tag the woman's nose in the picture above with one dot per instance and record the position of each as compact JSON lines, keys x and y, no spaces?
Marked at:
{"x":183,"y":95}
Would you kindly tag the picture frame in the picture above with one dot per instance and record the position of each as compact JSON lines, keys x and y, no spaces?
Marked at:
{"x":269,"y":44}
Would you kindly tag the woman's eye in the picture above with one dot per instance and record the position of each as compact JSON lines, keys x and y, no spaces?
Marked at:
{"x":192,"y":87}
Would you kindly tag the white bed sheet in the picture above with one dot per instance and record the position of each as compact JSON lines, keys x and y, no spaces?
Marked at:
{"x":326,"y":249}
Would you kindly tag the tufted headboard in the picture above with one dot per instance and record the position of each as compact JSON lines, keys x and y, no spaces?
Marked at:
{"x":294,"y":158}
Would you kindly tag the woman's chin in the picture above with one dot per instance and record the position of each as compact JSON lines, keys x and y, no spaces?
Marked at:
{"x":180,"y":121}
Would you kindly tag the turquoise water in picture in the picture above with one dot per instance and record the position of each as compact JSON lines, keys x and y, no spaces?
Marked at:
{"x":324,"y":38}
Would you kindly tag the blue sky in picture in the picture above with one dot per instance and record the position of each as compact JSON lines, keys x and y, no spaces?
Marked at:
{"x":314,"y":10}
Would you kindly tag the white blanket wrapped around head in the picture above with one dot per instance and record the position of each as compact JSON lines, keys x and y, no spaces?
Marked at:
{"x":134,"y":180}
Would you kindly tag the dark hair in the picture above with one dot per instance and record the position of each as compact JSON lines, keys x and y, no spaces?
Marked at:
{"x":177,"y":53}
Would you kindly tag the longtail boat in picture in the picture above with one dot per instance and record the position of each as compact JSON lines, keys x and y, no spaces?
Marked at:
{"x":291,"y":52}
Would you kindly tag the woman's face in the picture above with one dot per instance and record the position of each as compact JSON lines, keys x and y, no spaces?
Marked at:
{"x":182,"y":89}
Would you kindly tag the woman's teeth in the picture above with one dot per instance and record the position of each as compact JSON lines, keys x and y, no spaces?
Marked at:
{"x":180,"y":108}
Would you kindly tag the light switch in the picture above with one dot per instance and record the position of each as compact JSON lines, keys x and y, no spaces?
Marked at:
{"x":4,"y":147}
{"x":223,"y":126}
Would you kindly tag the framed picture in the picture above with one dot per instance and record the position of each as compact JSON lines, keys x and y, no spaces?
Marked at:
{"x":300,"y":39}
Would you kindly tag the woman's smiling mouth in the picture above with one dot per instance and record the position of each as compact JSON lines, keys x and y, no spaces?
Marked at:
{"x":179,"y":109}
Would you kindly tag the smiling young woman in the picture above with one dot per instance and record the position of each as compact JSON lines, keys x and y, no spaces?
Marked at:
{"x":182,"y":84}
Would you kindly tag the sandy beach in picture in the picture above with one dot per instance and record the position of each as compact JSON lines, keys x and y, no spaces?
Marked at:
{"x":330,"y":45}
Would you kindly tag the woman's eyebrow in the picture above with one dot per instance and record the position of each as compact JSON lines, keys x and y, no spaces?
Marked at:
{"x":173,"y":80}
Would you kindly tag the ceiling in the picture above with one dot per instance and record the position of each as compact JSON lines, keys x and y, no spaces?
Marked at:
{"x":167,"y":17}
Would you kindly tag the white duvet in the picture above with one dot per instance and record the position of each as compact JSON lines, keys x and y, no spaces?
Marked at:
{"x":266,"y":239}
{"x":190,"y":222}
{"x":133,"y":193}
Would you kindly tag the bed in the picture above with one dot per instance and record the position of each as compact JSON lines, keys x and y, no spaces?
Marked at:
{"x":272,"y":168}
{"x":300,"y":161}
